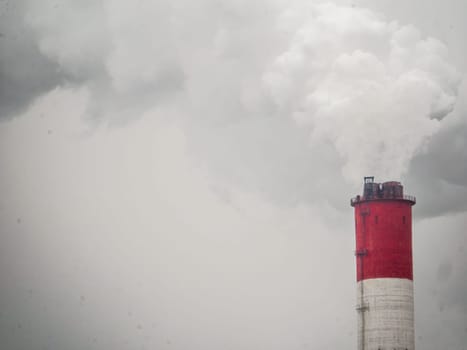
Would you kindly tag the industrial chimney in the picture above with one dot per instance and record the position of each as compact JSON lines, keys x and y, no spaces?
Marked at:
{"x":383,"y":227}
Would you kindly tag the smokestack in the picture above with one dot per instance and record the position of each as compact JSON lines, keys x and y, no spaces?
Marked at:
{"x":383,"y":227}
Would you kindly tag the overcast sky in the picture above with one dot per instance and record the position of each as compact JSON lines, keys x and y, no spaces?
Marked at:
{"x":177,"y":174}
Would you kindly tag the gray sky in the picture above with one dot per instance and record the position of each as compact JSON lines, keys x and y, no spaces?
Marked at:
{"x":177,"y":175}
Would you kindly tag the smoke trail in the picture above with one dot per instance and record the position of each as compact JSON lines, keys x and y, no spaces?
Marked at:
{"x":375,"y":89}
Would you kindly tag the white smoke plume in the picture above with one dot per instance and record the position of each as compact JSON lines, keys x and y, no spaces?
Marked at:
{"x":375,"y":89}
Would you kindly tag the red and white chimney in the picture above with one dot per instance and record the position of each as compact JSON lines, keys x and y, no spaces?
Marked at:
{"x":385,"y":306}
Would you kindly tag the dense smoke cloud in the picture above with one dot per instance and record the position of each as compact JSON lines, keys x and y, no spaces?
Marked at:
{"x":374,"y":88}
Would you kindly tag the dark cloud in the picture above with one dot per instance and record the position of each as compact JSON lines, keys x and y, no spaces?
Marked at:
{"x":70,"y":43}
{"x":438,"y":174}
{"x":25,"y":72}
